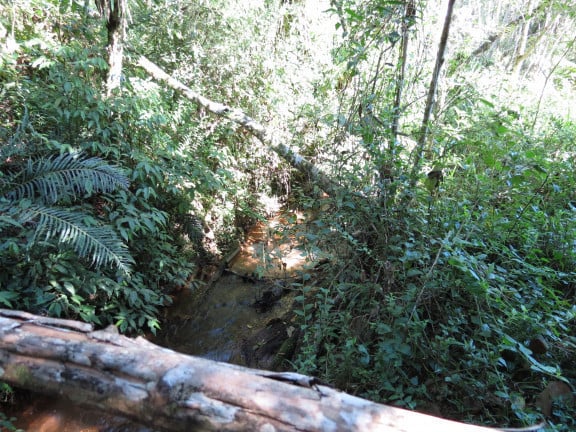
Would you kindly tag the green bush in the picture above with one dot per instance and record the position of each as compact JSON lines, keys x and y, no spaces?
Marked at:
{"x":440,"y":297}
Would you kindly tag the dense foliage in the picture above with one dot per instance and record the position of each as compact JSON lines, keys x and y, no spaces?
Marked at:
{"x":450,"y":285}
{"x":76,"y":232}
{"x":457,"y":295}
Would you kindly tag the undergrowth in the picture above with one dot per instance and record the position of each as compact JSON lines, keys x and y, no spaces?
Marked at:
{"x":459,"y":302}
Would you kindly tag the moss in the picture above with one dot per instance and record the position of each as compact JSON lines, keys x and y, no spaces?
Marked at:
{"x":22,"y":374}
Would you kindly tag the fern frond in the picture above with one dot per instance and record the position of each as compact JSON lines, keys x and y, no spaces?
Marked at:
{"x":68,"y":175}
{"x":100,"y":244}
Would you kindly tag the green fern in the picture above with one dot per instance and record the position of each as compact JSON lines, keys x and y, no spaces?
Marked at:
{"x":67,"y":176}
{"x":99,"y":243}
{"x":28,"y":194}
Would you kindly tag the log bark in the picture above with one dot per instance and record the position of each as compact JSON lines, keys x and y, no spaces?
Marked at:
{"x":236,"y":115}
{"x":175,"y":392}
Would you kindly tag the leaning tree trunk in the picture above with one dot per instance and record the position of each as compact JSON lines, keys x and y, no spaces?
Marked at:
{"x":424,"y":129}
{"x":174,"y":392}
{"x":251,"y":125}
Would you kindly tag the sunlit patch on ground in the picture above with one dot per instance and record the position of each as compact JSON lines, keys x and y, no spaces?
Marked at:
{"x":277,"y":248}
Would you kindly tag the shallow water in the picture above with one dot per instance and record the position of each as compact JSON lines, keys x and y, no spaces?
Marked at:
{"x":213,"y":330}
{"x":49,"y":414}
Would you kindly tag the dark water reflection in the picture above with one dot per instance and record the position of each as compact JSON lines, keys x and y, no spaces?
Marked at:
{"x":213,"y":325}
{"x":48,"y":414}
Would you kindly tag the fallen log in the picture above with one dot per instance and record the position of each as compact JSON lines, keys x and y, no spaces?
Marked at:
{"x":169,"y":391}
{"x":251,"y":125}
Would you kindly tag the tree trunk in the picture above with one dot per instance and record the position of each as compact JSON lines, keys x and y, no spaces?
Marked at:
{"x":522,"y":43}
{"x":423,"y":135}
{"x":258,"y":130}
{"x":115,"y":12}
{"x":386,"y":169}
{"x":174,"y":392}
{"x":407,"y":22}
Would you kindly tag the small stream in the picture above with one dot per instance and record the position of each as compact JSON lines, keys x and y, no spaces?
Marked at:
{"x":238,"y":318}
{"x":229,"y":313}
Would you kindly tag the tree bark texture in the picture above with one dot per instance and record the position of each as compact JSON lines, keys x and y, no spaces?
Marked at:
{"x":175,"y":392}
{"x":115,"y":12}
{"x":251,"y":125}
{"x":423,"y":135}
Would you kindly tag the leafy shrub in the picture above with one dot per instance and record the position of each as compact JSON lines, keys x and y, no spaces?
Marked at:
{"x":73,"y":217}
{"x":441,"y":298}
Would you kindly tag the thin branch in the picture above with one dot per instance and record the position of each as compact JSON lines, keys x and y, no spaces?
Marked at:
{"x":424,"y":129}
{"x":568,"y":48}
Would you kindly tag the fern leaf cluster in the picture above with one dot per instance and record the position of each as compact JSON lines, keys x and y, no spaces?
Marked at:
{"x":66,"y":176}
{"x":98,"y":243}
{"x":30,"y":195}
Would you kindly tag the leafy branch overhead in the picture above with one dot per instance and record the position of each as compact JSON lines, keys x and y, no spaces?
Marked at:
{"x":30,"y":194}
